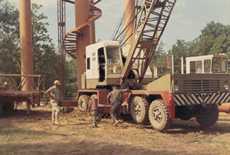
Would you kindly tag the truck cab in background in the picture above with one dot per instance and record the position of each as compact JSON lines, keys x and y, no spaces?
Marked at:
{"x":202,"y":85}
{"x":215,"y":64}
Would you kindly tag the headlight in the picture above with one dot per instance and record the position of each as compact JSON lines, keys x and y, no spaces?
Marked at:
{"x":176,"y":88}
{"x":226,"y":87}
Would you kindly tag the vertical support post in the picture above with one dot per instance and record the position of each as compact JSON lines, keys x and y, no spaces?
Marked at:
{"x":92,"y":33}
{"x":202,"y":67}
{"x":82,"y":11}
{"x":173,"y":67}
{"x":188,"y":68}
{"x":182,"y":65}
{"x":155,"y":72}
{"x":25,"y":21}
{"x":129,"y":24}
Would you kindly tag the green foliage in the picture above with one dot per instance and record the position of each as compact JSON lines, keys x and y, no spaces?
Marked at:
{"x":70,"y":78}
{"x":214,"y":38}
{"x":9,"y":38}
{"x":45,"y":58}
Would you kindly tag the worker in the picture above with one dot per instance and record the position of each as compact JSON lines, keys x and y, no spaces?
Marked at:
{"x":93,"y":109}
{"x":54,"y":94}
{"x":115,"y":99}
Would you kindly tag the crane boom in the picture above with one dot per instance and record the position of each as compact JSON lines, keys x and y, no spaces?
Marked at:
{"x":150,"y":25}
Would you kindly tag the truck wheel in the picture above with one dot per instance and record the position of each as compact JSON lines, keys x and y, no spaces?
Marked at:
{"x":184,"y":113}
{"x":207,"y":116}
{"x":138,"y":109}
{"x":158,"y":115}
{"x":83,"y":103}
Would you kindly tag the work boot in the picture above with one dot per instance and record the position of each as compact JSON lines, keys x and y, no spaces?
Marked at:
{"x":56,"y":123}
{"x":116,"y":123}
{"x":94,"y":126}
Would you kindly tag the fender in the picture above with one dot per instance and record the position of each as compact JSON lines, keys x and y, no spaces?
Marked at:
{"x":168,"y":98}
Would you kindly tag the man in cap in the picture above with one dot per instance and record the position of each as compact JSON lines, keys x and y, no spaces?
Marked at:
{"x":93,"y":109}
{"x":54,"y":94}
{"x":115,"y":98}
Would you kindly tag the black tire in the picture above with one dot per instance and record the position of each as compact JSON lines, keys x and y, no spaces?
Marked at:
{"x":139,"y":109}
{"x":207,"y":116}
{"x":83,"y":102}
{"x":184,"y":113}
{"x":159,"y":115}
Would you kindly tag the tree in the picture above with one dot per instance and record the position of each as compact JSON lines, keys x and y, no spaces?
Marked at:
{"x":214,"y":38}
{"x":9,"y":38}
{"x":45,"y":58}
{"x":70,"y":78}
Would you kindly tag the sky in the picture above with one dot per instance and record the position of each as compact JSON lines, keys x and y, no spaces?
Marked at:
{"x":188,"y":18}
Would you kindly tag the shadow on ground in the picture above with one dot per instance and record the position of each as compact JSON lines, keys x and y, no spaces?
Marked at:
{"x":78,"y":148}
{"x":184,"y":127}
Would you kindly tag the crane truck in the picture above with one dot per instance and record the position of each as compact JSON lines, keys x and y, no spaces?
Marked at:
{"x":158,"y":101}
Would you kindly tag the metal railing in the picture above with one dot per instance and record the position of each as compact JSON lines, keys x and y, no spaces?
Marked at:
{"x":17,"y":81}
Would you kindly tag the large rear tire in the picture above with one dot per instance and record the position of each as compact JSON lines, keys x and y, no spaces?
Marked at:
{"x":207,"y":116}
{"x":184,"y":113}
{"x":139,"y":109}
{"x":158,"y":115}
{"x":83,"y":102}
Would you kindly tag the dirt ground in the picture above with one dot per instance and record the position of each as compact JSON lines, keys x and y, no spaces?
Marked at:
{"x":33,"y":134}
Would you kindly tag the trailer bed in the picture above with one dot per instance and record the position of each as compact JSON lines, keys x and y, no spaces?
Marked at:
{"x":9,"y":96}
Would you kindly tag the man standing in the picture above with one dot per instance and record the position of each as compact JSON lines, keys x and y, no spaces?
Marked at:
{"x":115,"y":98}
{"x":54,"y":94}
{"x":93,"y":110}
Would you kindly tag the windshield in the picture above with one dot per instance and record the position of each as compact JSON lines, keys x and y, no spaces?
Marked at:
{"x":113,"y":59}
{"x":113,"y":55}
{"x":219,"y":65}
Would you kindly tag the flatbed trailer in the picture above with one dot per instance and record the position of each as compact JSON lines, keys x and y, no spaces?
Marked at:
{"x":11,"y":94}
{"x":20,"y":96}
{"x":9,"y":98}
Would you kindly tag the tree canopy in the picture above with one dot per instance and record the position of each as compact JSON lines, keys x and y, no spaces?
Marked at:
{"x":214,"y":38}
{"x":45,"y":58}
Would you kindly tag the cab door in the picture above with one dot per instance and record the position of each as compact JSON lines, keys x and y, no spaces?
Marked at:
{"x":92,"y":72}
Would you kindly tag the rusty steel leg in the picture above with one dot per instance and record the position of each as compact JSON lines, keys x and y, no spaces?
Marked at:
{"x":25,"y":21}
{"x":92,"y":33}
{"x":129,"y":14}
{"x":82,"y":9}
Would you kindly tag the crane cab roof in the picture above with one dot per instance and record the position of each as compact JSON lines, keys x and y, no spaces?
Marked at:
{"x":104,"y":43}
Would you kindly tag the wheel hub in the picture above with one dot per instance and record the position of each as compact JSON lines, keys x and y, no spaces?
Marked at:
{"x":157,"y":115}
{"x":137,"y":109}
